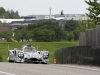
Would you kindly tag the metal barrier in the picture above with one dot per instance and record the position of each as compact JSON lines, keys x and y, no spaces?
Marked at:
{"x":91,"y":37}
{"x":85,"y":55}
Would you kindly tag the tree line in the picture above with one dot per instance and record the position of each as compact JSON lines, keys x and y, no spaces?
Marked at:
{"x":9,"y":14}
{"x":47,"y":32}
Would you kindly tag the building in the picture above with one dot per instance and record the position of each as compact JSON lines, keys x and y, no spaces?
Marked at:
{"x":16,"y":24}
{"x":42,"y":17}
{"x":10,"y":20}
{"x":57,"y":17}
{"x":31,"y":19}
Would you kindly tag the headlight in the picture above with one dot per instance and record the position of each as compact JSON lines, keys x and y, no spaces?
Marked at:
{"x":20,"y":54}
{"x":46,"y":56}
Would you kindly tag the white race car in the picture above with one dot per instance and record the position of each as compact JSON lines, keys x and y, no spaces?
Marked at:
{"x":28,"y":53}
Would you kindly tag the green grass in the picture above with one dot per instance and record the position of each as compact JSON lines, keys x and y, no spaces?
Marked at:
{"x":50,"y":46}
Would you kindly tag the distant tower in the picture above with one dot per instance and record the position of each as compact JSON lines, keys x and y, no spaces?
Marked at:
{"x":50,"y":13}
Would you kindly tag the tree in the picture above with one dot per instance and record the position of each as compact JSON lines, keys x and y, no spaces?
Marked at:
{"x":13,"y":14}
{"x":86,"y":24}
{"x":16,"y":15}
{"x":76,"y":34}
{"x":7,"y":35}
{"x":65,"y":34}
{"x":18,"y":36}
{"x":41,"y":31}
{"x":43,"y":35}
{"x":8,"y":39}
{"x":1,"y":35}
{"x":2,"y":10}
{"x":58,"y":34}
{"x":70,"y":36}
{"x":1,"y":26}
{"x":71,"y":25}
{"x":4,"y":15}
{"x":94,"y":10}
{"x":9,"y":14}
{"x":28,"y":35}
{"x":22,"y":34}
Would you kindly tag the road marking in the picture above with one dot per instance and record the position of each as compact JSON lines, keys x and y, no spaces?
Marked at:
{"x":85,"y":68}
{"x":6,"y":73}
{"x":80,"y":67}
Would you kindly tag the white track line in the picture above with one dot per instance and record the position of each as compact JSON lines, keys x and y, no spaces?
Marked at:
{"x":6,"y":73}
{"x":85,"y":68}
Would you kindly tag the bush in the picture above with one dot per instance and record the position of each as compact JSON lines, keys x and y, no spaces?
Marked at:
{"x":70,"y":36}
{"x":0,"y":58}
{"x":8,"y":39}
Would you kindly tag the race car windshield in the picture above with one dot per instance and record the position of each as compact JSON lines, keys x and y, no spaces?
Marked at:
{"x":29,"y":49}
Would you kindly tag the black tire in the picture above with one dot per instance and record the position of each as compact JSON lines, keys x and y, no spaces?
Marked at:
{"x":44,"y":63}
{"x":10,"y":60}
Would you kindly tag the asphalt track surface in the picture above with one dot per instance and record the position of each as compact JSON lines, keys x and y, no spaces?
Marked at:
{"x":46,"y":69}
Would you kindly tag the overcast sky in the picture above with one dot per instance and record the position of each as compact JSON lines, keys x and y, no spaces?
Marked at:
{"x":31,"y":7}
